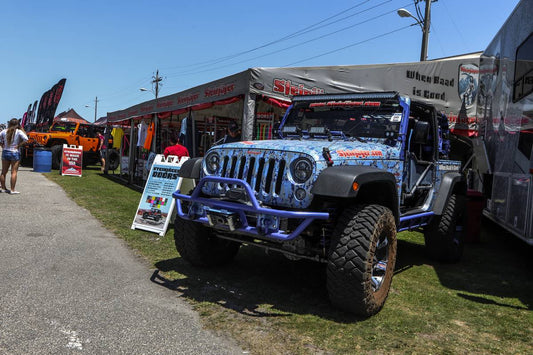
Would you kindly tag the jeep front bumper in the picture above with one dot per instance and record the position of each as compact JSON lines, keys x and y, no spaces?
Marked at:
{"x":247,"y":218}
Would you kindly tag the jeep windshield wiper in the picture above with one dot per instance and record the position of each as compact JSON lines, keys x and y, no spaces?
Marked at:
{"x":359,"y":139}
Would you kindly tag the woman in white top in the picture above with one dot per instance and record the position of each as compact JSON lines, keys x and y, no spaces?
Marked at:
{"x":11,"y":140}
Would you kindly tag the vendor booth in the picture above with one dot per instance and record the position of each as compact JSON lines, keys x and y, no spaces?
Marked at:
{"x":257,"y":98}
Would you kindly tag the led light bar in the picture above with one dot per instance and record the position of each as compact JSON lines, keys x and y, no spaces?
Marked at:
{"x":357,"y":96}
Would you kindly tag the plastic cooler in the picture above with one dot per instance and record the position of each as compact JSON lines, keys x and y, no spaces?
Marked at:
{"x":42,"y":160}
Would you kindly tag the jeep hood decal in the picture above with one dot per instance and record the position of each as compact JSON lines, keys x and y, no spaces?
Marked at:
{"x":339,"y":150}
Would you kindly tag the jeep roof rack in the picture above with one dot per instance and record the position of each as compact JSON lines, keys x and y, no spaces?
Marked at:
{"x":359,"y":96}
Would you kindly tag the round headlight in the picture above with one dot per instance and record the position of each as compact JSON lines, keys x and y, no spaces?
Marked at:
{"x":212,"y":163}
{"x":301,"y":170}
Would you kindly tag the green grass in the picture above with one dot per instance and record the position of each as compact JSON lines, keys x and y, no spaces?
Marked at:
{"x":273,"y":305}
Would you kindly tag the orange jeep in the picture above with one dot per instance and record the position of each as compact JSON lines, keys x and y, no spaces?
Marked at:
{"x":71,"y":133}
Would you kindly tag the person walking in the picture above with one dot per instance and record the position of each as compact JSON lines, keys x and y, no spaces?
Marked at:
{"x":11,"y":139}
{"x":102,"y":148}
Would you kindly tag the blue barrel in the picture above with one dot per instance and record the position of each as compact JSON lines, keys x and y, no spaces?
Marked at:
{"x":42,"y":160}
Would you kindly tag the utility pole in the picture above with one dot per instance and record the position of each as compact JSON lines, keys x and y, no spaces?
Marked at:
{"x":155,"y":81}
{"x":155,"y":141}
{"x":95,"y":108}
{"x":425,"y":31}
{"x":424,"y":23}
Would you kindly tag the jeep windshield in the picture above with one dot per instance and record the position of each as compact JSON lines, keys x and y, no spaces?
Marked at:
{"x":63,"y":127}
{"x":344,"y":119}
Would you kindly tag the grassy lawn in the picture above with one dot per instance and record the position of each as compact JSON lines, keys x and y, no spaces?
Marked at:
{"x":273,"y":305}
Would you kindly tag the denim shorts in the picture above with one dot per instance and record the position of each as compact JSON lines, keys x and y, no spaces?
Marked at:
{"x":11,"y":156}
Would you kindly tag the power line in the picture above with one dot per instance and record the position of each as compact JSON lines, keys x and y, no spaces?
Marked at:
{"x":348,"y":46}
{"x":308,"y":29}
{"x":292,"y":46}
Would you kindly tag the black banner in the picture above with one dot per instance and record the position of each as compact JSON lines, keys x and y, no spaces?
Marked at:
{"x":48,"y":104}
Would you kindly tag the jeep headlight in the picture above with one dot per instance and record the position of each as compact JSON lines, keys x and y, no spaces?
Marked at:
{"x":212,"y":162}
{"x":301,"y":170}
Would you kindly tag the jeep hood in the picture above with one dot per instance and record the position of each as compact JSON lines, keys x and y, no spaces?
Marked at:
{"x":339,"y":150}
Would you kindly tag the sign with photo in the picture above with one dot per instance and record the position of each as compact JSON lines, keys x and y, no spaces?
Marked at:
{"x":71,"y":160}
{"x":156,"y":206}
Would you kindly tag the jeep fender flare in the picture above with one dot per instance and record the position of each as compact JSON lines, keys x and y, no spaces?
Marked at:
{"x":452,"y":182}
{"x":375,"y":185}
{"x":191,"y":168}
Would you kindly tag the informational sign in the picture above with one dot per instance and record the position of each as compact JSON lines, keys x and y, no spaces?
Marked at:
{"x":148,"y":165}
{"x":156,"y":205}
{"x":71,"y":160}
{"x":124,"y":164}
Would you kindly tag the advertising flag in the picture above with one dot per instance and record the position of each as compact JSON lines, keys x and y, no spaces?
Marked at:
{"x":48,"y":104}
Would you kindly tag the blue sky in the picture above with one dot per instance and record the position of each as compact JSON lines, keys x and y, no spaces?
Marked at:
{"x":109,"y":49}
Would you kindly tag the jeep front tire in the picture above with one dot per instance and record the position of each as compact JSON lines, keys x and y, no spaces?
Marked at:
{"x":57,"y":152}
{"x":200,"y":246}
{"x":361,"y":259}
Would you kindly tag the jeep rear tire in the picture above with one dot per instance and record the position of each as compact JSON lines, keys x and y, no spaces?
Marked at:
{"x":444,"y":240}
{"x":361,"y":259}
{"x":57,"y":152}
{"x":200,"y":246}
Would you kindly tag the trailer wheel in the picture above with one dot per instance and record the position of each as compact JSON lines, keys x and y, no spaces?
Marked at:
{"x":361,"y":259}
{"x":200,"y":246}
{"x":444,"y":235}
{"x":57,"y":151}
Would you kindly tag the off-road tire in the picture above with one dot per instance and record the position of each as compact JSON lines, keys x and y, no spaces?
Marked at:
{"x":57,"y":155}
{"x":444,"y":240}
{"x":356,"y":282}
{"x":25,"y":160}
{"x":113,"y":159}
{"x":200,"y":246}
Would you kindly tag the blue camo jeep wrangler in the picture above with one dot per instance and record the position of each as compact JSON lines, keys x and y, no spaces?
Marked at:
{"x":347,"y":173}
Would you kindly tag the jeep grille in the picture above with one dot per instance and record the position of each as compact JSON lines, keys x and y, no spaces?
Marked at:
{"x":264,"y":175}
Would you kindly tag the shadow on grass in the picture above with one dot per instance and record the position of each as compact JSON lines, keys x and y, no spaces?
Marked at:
{"x":256,"y":285}
{"x":116,"y":177}
{"x":259,"y":285}
{"x":499,"y":265}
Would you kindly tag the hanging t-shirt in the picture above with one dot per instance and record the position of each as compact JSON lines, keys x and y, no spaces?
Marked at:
{"x":117,"y":134}
{"x":149,"y":135}
{"x":143,"y":130}
{"x":183,"y":129}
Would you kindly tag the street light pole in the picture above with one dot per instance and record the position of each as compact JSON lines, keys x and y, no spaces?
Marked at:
{"x":425,"y":32}
{"x":424,"y":23}
{"x":95,"y":108}
{"x":155,"y":85}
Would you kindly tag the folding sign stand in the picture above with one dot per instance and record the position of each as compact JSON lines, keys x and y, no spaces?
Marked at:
{"x":156,"y":205}
{"x":71,"y":160}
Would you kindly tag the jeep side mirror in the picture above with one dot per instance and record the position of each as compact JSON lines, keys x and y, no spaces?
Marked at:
{"x":421,"y":132}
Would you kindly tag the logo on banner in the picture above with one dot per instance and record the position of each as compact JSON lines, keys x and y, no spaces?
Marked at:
{"x":290,"y":88}
{"x":468,"y":83}
{"x":259,"y":86}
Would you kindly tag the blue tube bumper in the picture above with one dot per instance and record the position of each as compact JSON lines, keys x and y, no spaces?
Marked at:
{"x":244,"y":218}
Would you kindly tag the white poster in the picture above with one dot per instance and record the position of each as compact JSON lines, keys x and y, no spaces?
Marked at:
{"x":155,"y":208}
